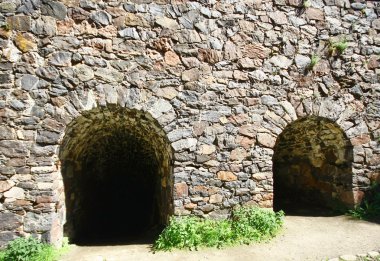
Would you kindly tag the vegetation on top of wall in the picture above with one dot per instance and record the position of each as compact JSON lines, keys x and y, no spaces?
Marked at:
{"x":246,"y":225}
{"x":31,"y":249}
{"x":370,"y":207}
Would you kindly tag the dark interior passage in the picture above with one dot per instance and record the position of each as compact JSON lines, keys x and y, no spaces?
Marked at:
{"x":117,"y":175}
{"x":118,"y":191}
{"x":312,"y":168}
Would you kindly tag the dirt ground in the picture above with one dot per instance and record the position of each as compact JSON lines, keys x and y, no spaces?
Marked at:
{"x":303,"y":238}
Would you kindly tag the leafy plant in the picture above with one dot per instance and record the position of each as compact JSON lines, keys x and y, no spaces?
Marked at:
{"x":245,"y":226}
{"x":255,"y":224}
{"x":313,"y":61}
{"x":306,"y":3}
{"x":30,"y":249}
{"x":338,"y":48}
{"x":6,"y":27}
{"x":370,"y":208}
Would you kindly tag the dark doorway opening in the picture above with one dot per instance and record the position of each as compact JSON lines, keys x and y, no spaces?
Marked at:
{"x":118,"y":192}
{"x":116,"y":170}
{"x":312,"y":168}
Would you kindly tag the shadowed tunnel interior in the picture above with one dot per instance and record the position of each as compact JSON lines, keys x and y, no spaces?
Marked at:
{"x":312,"y":168}
{"x":117,"y":175}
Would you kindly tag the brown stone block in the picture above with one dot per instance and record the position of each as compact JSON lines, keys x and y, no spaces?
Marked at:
{"x":226,"y":176}
{"x":255,"y":50}
{"x":25,"y":42}
{"x":190,"y":206}
{"x":171,"y":58}
{"x":181,"y":190}
{"x":315,"y":14}
{"x":359,"y":140}
{"x":208,"y":56}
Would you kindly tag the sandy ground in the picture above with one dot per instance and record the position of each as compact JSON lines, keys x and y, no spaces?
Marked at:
{"x":303,"y":238}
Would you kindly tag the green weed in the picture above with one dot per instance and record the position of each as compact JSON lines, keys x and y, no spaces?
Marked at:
{"x":338,"y":48}
{"x":370,"y":208}
{"x":246,"y":225}
{"x":313,"y":61}
{"x":31,"y":249}
{"x":306,"y":3}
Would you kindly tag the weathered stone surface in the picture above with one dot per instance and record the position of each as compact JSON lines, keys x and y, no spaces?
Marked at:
{"x":101,"y":18}
{"x":226,"y":176}
{"x":61,"y":59}
{"x":167,"y":23}
{"x":34,"y":223}
{"x":84,"y":72}
{"x":315,"y":14}
{"x":15,"y":193}
{"x":238,"y":154}
{"x":171,"y":58}
{"x":13,"y":148}
{"x":208,"y":55}
{"x":47,"y":137}
{"x":45,"y":26}
{"x":5,"y":185}
{"x":302,"y":61}
{"x":181,"y":190}
{"x":25,"y":42}
{"x":281,"y":61}
{"x":376,"y":24}
{"x":9,"y":221}
{"x":7,"y":7}
{"x":109,"y":75}
{"x":19,"y":23}
{"x":191,"y":75}
{"x":266,"y":139}
{"x":129,"y":33}
{"x":278,"y":17}
{"x":255,"y":50}
{"x":6,"y":133}
{"x":135,"y":20}
{"x":54,"y":9}
{"x":185,"y":144}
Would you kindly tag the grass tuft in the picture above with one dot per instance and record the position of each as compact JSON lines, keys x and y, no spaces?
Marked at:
{"x":246,"y":225}
{"x":31,"y":249}
{"x":338,"y":48}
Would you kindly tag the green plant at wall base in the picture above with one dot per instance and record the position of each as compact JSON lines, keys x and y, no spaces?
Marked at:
{"x":370,"y":208}
{"x":31,"y":249}
{"x":338,"y":48}
{"x":246,"y":225}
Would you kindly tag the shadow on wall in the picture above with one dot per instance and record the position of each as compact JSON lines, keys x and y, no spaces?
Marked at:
{"x":312,"y":168}
{"x":116,"y":167}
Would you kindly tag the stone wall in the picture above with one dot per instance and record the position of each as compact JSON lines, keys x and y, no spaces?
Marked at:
{"x":222,"y":78}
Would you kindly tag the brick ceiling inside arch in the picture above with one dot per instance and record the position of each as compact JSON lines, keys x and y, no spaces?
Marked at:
{"x":100,"y":126}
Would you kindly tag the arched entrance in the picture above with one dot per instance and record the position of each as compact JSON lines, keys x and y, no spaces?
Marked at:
{"x":312,"y":167}
{"x":116,"y":167}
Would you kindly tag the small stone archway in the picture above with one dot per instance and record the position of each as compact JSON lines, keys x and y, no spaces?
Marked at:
{"x":117,"y":173}
{"x":312,"y":167}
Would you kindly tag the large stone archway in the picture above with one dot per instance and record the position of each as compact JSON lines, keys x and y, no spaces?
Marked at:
{"x":312,"y":166}
{"x":117,"y":173}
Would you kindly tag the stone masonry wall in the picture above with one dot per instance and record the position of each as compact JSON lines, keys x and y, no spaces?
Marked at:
{"x":222,"y":78}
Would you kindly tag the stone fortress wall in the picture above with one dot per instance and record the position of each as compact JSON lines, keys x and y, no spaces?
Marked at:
{"x":223,"y":79}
